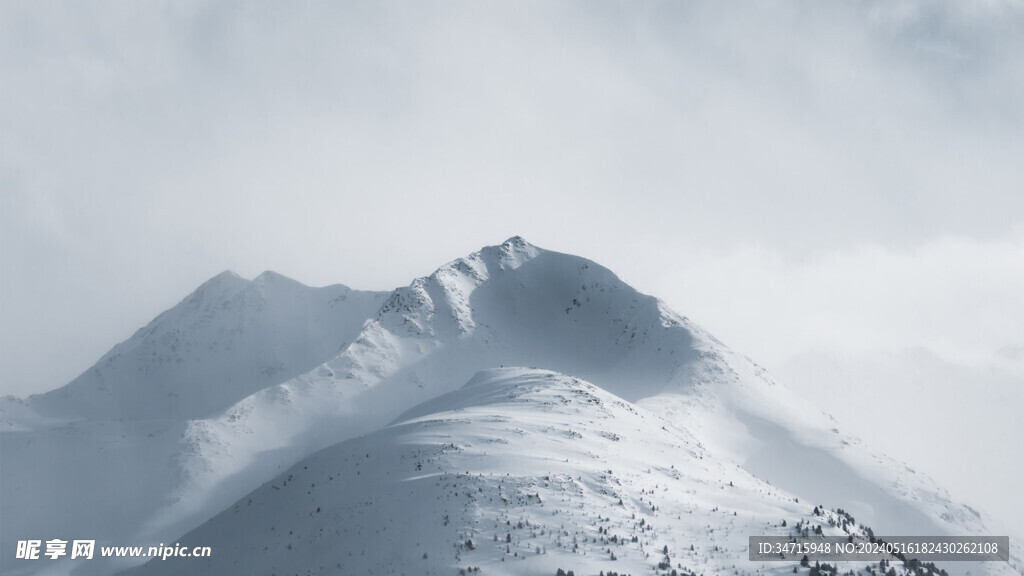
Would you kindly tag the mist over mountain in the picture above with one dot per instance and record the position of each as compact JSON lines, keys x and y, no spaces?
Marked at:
{"x":228,"y":339}
{"x":582,"y":392}
{"x":960,"y":408}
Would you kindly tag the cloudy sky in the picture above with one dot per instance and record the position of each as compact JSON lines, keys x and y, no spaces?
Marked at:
{"x":812,"y":182}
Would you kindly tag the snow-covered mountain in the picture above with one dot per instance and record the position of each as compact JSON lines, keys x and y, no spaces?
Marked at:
{"x":518,"y":472}
{"x":228,"y":339}
{"x":507,"y":305}
{"x":100,"y":456}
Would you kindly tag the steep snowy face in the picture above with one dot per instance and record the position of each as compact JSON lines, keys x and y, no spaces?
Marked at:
{"x":511,"y":304}
{"x":518,"y":472}
{"x":515,"y":304}
{"x":225,"y":341}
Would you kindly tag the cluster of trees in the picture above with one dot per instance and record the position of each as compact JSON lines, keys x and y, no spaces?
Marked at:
{"x":822,"y":569}
{"x":805,"y":530}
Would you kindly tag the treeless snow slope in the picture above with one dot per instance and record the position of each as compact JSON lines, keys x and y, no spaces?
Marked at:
{"x":100,"y":456}
{"x":228,"y":339}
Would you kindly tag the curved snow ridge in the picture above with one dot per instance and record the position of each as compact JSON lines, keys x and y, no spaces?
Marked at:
{"x":520,"y":471}
{"x":439,"y":304}
{"x":511,"y":385}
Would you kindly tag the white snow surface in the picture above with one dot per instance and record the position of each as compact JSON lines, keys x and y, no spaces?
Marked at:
{"x":228,"y":339}
{"x":677,"y":395}
{"x":102,"y":455}
{"x":537,"y":470}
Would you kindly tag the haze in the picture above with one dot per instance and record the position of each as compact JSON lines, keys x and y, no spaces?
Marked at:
{"x":805,"y":180}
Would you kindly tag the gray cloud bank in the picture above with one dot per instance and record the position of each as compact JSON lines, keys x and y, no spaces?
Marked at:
{"x":146,"y":147}
{"x":839,"y":177}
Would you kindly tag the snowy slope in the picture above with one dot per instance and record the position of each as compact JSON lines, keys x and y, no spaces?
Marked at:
{"x":961,"y":408}
{"x":521,"y":471}
{"x":101,"y":455}
{"x":228,"y":339}
{"x":511,"y":304}
{"x":516,"y":304}
{"x":507,"y":305}
{"x":518,"y":472}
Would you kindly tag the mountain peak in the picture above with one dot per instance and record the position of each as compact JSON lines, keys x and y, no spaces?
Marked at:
{"x":516,"y":241}
{"x":226,"y":274}
{"x":216,"y":290}
{"x":226,"y":279}
{"x":271,"y":278}
{"x":518,"y":244}
{"x":227,"y":339}
{"x":510,"y":254}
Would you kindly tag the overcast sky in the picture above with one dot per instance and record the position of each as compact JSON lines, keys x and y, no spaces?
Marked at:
{"x":789,"y":174}
{"x":798,"y":177}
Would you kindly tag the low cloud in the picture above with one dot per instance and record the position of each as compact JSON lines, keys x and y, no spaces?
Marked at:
{"x":146,"y":149}
{"x":958,"y":297}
